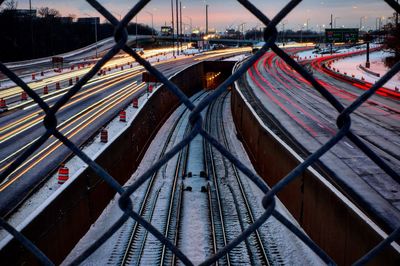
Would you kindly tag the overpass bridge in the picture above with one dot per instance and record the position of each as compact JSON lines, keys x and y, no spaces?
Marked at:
{"x":230,"y":42}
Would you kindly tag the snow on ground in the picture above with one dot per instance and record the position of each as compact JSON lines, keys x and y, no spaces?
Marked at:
{"x":287,"y":44}
{"x":237,"y":57}
{"x":7,"y":83}
{"x":314,"y":52}
{"x":351,"y":65}
{"x":191,"y":51}
{"x":76,"y":166}
{"x":195,"y":207}
{"x":292,"y":250}
{"x":112,"y":211}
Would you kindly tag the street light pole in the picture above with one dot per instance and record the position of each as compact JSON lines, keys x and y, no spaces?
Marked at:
{"x":152,"y":24}
{"x":177,"y":25}
{"x":397,"y":17}
{"x":136,"y":32}
{"x":308,"y":21}
{"x":180,"y":18}
{"x":361,"y":20}
{"x":95,"y":33}
{"x":95,"y":30}
{"x":206,"y":19}
{"x":335,"y":20}
{"x":191,"y":29}
{"x":173,"y":31}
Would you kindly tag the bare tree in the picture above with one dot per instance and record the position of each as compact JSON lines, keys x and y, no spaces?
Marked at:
{"x":9,"y":5}
{"x":48,"y":12}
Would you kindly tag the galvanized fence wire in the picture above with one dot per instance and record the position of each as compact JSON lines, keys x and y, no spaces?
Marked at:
{"x":270,"y":35}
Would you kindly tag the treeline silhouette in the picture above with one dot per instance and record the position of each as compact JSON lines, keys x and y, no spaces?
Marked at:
{"x":23,"y":38}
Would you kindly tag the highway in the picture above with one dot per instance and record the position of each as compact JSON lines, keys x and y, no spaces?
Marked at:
{"x":304,"y":118}
{"x":82,"y":117}
{"x":87,"y":54}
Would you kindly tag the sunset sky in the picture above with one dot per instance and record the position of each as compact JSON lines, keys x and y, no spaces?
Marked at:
{"x":229,"y":13}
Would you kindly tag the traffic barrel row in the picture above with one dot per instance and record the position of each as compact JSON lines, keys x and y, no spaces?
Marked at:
{"x":122,"y":116}
{"x":3,"y":103}
{"x":63,"y":174}
{"x":135,"y":103}
{"x":24,"y":96}
{"x":104,"y":136}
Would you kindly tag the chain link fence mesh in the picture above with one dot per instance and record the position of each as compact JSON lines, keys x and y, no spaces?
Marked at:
{"x":270,"y":36}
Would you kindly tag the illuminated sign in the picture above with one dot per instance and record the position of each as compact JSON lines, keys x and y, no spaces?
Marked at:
{"x":341,"y":35}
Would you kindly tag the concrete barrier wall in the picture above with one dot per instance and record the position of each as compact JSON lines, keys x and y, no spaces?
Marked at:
{"x":331,"y":222}
{"x":66,"y":219}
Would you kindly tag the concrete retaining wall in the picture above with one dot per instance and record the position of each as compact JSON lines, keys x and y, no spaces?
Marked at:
{"x":66,"y":219}
{"x":331,"y":222}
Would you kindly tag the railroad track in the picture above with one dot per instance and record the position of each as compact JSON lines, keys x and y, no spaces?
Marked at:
{"x":134,"y":247}
{"x":218,"y":232}
{"x":257,"y":252}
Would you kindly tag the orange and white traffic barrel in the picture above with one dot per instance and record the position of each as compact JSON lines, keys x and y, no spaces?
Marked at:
{"x":104,"y":135}
{"x":24,"y":96}
{"x":122,"y":116}
{"x":135,"y":103}
{"x":3,"y":103}
{"x":63,"y":174}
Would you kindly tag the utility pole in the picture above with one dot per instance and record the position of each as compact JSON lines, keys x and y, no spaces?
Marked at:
{"x":367,"y":39}
{"x":191,"y":29}
{"x":331,"y":21}
{"x":95,"y":34}
{"x":206,"y":19}
{"x":180,"y":17}
{"x":177,"y":25}
{"x":152,"y":24}
{"x":173,"y":32}
{"x":397,"y":17}
{"x":31,"y":22}
{"x":361,"y":20}
{"x":136,"y":32}
{"x":95,"y":29}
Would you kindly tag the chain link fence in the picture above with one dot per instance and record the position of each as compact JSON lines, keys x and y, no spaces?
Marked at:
{"x":270,"y":36}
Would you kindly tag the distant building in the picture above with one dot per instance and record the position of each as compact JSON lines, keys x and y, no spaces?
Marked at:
{"x":166,"y":30}
{"x":20,"y":13}
{"x":89,"y":21}
{"x":232,"y":34}
{"x":66,"y":20}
